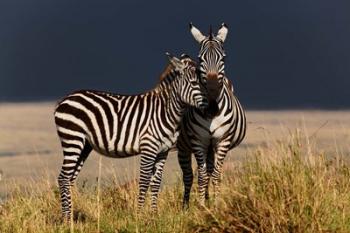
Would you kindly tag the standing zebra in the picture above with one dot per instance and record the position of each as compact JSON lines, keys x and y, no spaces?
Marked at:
{"x":211,"y":135}
{"x":120,"y":126}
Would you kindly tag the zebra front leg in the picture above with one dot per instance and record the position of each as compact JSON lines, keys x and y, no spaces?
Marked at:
{"x":210,"y":168}
{"x":202,"y":176}
{"x":185,"y":161}
{"x":217,"y":173}
{"x":146,"y":168}
{"x":157,"y":179}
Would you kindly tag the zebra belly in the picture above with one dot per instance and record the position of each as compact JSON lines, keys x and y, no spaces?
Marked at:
{"x":120,"y":149}
{"x":118,"y":154}
{"x":128,"y":152}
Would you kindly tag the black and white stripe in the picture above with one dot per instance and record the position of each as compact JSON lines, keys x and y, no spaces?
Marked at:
{"x":125,"y":125}
{"x":211,"y":135}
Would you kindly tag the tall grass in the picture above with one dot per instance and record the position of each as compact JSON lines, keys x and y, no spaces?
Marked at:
{"x":287,"y":186}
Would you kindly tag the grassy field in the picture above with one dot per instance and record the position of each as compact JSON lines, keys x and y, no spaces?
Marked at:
{"x":291,"y":174}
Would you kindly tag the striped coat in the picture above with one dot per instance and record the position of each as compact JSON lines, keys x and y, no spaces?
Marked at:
{"x":210,"y":135}
{"x":125,"y":125}
{"x":210,"y":138}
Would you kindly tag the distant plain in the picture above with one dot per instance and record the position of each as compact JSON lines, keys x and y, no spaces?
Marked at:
{"x":30,"y":149}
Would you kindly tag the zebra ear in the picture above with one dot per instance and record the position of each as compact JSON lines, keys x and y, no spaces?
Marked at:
{"x":175,"y":62}
{"x":198,"y":36}
{"x":222,"y":33}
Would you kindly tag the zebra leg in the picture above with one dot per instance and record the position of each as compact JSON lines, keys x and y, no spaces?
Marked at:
{"x":146,"y":168}
{"x":202,"y":175}
{"x":73,"y":157}
{"x":210,"y":168}
{"x":84,"y":154}
{"x":185,"y":161}
{"x":221,"y":152}
{"x":157,"y":179}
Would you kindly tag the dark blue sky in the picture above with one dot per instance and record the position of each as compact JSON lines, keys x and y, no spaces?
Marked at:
{"x":280,"y":53}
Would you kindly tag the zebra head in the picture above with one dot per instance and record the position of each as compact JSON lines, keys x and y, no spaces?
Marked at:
{"x":211,"y":56}
{"x":190,"y":89}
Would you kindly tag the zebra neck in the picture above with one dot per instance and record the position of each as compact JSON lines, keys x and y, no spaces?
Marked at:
{"x":174,"y":106}
{"x":222,"y":101}
{"x":221,"y":94}
{"x":225,"y":90}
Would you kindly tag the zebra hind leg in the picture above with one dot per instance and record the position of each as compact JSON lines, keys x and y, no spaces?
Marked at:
{"x":185,"y":161}
{"x":84,"y":154}
{"x":74,"y":157}
{"x":157,"y":179}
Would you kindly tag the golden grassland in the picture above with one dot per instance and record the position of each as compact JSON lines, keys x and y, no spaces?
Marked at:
{"x":286,"y":187}
{"x":290,"y":175}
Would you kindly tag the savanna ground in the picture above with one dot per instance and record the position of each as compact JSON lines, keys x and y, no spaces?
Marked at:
{"x":291,"y":174}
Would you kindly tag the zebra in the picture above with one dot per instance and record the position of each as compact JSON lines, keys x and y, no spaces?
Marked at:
{"x":210,"y":135}
{"x":120,"y":126}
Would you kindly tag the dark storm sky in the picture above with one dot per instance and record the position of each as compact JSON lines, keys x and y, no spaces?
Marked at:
{"x":280,"y":53}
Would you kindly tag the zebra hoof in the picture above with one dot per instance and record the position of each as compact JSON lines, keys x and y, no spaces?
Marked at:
{"x":185,"y":206}
{"x":154,"y":211}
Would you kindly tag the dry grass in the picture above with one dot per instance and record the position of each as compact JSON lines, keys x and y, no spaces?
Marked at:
{"x":285,"y":186}
{"x":272,"y":182}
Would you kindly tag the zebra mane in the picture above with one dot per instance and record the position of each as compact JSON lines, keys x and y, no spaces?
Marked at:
{"x":166,"y":72}
{"x":169,"y":74}
{"x":210,"y":33}
{"x":165,"y":79}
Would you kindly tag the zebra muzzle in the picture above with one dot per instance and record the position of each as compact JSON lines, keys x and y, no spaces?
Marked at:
{"x":213,"y":86}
